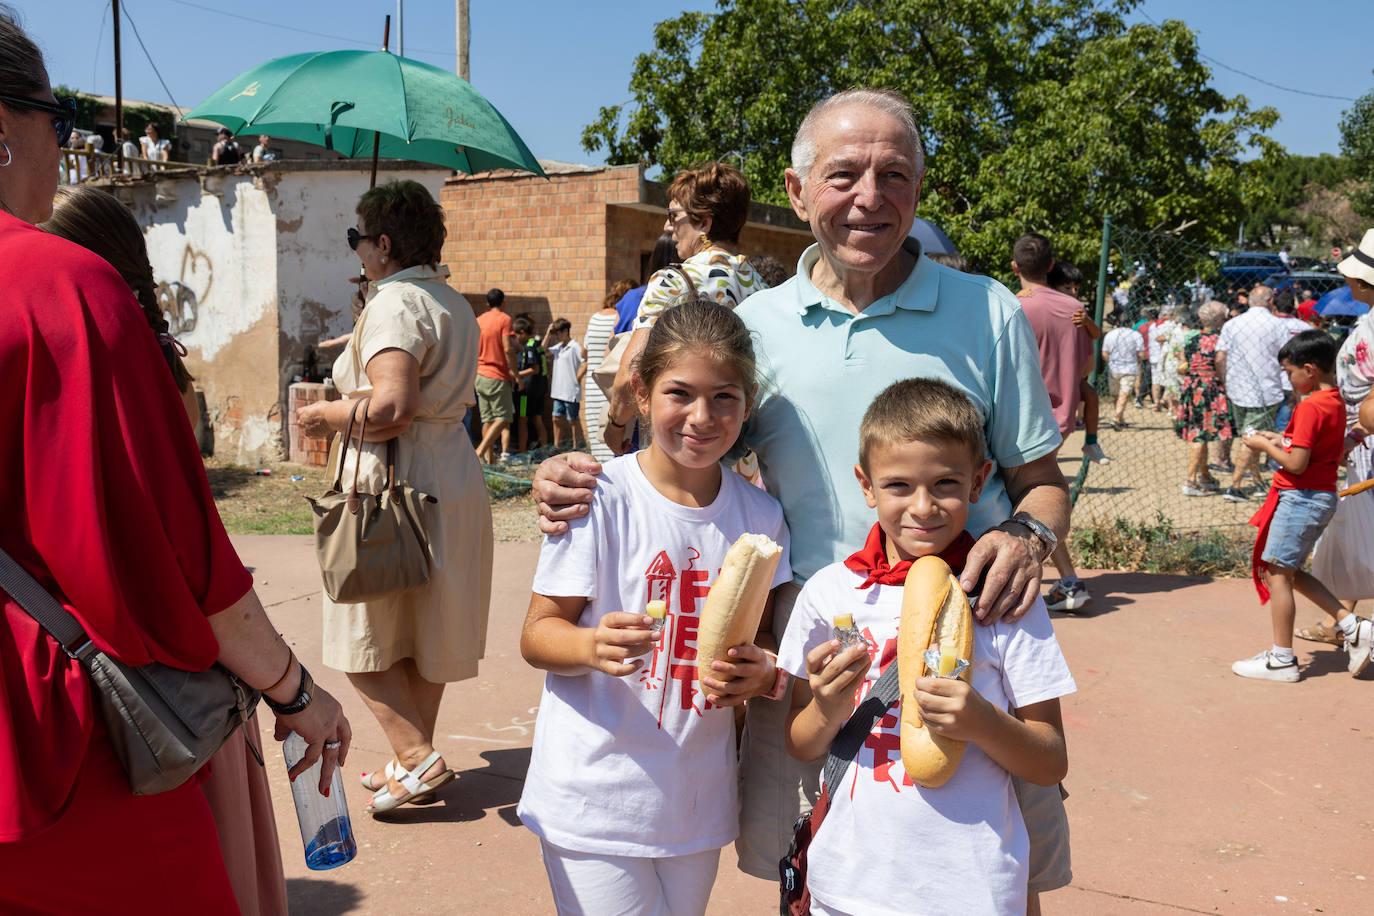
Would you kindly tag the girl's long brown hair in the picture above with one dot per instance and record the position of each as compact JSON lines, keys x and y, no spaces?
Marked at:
{"x":99,"y":223}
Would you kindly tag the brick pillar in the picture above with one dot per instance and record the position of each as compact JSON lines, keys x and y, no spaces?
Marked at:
{"x":303,"y":449}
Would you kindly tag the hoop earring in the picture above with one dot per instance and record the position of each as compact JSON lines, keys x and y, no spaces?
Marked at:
{"x":9,"y":157}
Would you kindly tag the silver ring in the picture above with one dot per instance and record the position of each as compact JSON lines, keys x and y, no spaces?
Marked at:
{"x":332,"y":745}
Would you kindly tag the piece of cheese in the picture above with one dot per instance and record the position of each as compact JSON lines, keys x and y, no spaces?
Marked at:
{"x":656,"y":609}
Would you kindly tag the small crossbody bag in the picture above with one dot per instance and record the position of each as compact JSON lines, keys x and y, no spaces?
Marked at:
{"x":164,"y":723}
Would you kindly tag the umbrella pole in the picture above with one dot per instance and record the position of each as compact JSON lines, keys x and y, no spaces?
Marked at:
{"x":377,"y":137}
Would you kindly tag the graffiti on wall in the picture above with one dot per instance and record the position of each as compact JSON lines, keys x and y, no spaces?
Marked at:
{"x":181,"y":299}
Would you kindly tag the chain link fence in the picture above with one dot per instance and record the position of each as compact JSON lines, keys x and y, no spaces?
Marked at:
{"x":1183,"y":368}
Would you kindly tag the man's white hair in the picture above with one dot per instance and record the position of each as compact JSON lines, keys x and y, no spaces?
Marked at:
{"x":887,"y":101}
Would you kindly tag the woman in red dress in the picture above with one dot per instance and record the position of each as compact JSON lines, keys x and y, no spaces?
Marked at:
{"x":106,"y":504}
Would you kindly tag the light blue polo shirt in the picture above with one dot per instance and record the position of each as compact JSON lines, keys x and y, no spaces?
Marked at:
{"x":820,"y":366}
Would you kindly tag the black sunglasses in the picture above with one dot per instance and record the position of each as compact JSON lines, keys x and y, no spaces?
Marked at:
{"x":354,"y":237}
{"x":63,"y":112}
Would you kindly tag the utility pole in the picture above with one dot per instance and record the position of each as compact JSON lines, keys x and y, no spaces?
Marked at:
{"x":400,"y":28}
{"x":119,"y":96}
{"x":462,"y":17}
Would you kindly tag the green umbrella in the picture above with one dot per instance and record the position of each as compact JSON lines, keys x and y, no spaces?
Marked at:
{"x":348,"y":100}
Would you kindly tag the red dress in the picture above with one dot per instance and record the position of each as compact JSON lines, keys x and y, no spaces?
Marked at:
{"x":105,"y":501}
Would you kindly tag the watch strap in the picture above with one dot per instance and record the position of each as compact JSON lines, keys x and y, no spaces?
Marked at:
{"x":304,"y":695}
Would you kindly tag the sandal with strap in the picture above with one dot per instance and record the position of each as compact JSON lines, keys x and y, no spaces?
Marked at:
{"x":417,"y":792}
{"x":1320,"y":632}
{"x":387,"y":772}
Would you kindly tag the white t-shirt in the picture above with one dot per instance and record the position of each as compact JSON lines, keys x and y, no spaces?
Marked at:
{"x":1157,"y":330}
{"x":154,"y":149}
{"x":1294,"y":326}
{"x":567,"y":359}
{"x":641,"y":765}
{"x":1251,"y":342}
{"x":969,"y":841}
{"x":1122,"y":347}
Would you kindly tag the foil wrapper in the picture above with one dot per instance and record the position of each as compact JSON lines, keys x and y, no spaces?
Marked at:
{"x":931,"y":656}
{"x":851,"y":636}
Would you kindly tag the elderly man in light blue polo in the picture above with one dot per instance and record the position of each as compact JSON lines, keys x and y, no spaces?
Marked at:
{"x":866,"y":309}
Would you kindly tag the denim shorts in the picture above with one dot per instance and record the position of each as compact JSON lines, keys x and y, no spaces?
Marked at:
{"x":1301,"y":517}
{"x":566,"y":410}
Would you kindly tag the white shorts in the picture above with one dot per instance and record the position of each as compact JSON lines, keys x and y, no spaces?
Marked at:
{"x":589,"y":884}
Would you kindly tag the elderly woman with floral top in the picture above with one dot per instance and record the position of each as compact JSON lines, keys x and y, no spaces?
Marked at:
{"x":1341,"y":558}
{"x":707,"y":208}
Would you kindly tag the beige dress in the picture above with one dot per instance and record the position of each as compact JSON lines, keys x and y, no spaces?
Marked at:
{"x":442,"y":625}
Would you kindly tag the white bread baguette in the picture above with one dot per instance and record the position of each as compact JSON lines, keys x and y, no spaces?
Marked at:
{"x":934,"y":611}
{"x":734,"y":605}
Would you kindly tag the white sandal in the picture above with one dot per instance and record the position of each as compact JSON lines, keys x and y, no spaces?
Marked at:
{"x":383,"y":800}
{"x":386,"y":771}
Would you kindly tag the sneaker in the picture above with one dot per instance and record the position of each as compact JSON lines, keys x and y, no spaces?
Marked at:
{"x":1192,"y":489}
{"x":505,"y":456}
{"x":1070,"y":599}
{"x":1222,"y":467}
{"x":1235,"y":495}
{"x":1209,"y":484}
{"x":1358,"y":648}
{"x":1094,"y":452}
{"x":1265,"y":667}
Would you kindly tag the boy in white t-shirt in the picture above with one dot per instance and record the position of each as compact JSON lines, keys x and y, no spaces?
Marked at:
{"x":565,"y":379}
{"x":1122,"y":348}
{"x":921,"y":463}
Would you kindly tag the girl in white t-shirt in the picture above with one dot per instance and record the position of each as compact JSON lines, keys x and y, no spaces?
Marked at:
{"x":632,"y":786}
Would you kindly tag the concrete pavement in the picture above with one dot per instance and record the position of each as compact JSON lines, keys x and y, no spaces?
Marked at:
{"x":1192,"y":790}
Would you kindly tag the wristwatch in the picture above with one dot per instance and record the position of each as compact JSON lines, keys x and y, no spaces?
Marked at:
{"x":1038,"y":528}
{"x":304,"y":694}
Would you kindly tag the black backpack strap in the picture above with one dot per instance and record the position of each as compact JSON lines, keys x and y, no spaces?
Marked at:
{"x":852,"y":735}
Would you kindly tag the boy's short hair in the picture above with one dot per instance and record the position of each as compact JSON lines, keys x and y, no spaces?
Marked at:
{"x":1314,"y":346}
{"x":522,"y":325}
{"x":560,"y":325}
{"x":921,"y":409}
{"x":1062,"y":274}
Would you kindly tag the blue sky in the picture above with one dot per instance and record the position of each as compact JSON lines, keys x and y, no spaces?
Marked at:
{"x":549,"y":66}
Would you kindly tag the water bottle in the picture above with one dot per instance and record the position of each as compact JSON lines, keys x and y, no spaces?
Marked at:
{"x":325,"y":828}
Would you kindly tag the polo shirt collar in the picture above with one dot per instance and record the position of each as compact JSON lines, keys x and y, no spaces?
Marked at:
{"x":918,"y":292}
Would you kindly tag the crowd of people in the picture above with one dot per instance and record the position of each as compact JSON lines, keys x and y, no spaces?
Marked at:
{"x":874,"y":409}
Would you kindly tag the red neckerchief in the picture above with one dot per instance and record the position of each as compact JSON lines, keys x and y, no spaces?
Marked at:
{"x":871,"y":559}
{"x":1261,"y":520}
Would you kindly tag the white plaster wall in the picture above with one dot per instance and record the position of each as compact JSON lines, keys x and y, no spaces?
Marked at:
{"x":218,"y":239}
{"x":313,"y":212}
{"x":253,"y":268}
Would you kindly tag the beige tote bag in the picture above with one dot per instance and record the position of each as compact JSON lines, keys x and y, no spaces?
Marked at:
{"x":370,"y":544}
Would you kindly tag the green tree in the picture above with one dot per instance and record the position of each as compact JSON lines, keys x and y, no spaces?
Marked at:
{"x":1037,"y":114}
{"x":1357,"y":142}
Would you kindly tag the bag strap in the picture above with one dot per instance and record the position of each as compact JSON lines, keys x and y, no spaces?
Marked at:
{"x":347,"y":440}
{"x":854,"y":732}
{"x":44,"y":608}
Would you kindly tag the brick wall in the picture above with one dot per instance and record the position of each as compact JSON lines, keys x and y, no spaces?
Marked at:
{"x":556,"y":245}
{"x":542,"y":241}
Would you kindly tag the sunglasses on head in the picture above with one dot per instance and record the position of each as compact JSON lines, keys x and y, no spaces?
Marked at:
{"x":63,"y":112}
{"x":354,"y":237}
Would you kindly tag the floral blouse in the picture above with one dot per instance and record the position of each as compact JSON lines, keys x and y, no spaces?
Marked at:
{"x":717,"y":275}
{"x":1355,"y":367}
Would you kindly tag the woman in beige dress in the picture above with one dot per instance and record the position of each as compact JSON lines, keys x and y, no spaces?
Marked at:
{"x":414,"y":352}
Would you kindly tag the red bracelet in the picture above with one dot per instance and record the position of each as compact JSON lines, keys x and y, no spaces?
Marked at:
{"x":779,"y":683}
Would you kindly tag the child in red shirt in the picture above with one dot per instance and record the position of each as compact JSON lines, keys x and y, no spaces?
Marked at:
{"x":1302,"y":499}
